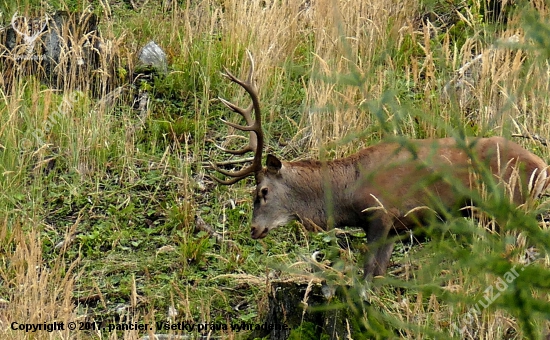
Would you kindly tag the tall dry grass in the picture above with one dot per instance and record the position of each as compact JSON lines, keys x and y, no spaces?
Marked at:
{"x":359,"y":51}
{"x":38,"y":293}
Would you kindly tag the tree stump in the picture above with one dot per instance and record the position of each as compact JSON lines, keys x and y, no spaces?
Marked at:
{"x":301,"y":308}
{"x":56,"y":48}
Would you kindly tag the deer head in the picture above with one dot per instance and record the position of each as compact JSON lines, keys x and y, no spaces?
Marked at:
{"x":269,"y":184}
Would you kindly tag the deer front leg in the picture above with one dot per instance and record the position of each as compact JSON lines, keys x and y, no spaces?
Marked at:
{"x":380,"y":248}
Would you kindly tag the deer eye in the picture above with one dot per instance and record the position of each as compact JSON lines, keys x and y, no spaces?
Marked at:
{"x":264,"y":192}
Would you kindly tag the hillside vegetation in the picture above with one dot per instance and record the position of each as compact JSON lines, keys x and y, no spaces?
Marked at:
{"x":98,"y":215}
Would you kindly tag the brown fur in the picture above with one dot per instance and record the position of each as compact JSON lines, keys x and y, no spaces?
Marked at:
{"x":379,"y":187}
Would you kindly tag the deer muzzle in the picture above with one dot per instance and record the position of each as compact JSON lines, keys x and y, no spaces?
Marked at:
{"x":257,"y":232}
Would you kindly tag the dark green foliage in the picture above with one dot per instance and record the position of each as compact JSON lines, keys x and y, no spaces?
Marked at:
{"x":306,"y":331}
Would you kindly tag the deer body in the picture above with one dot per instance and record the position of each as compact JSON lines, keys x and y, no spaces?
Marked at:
{"x":384,"y":188}
{"x":392,"y":178}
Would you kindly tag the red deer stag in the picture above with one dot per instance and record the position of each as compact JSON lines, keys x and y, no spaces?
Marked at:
{"x":384,"y":188}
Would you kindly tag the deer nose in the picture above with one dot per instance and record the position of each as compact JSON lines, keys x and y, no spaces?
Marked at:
{"x":253,"y":232}
{"x":257,"y":232}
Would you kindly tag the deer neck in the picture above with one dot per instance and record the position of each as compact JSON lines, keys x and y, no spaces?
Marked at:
{"x":322,"y":193}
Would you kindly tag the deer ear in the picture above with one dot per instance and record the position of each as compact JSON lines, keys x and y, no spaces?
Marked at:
{"x":273,"y":164}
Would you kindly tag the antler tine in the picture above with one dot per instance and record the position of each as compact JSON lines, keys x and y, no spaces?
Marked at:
{"x":249,"y":81}
{"x":254,"y":126}
{"x":227,"y":182}
{"x":239,"y":152}
{"x":243,"y":112}
{"x":241,"y":173}
{"x":252,"y":144}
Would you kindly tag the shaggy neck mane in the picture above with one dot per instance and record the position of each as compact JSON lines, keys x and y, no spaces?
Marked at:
{"x":311,"y":179}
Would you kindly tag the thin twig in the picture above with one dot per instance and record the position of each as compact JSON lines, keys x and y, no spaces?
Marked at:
{"x":533,"y":136}
{"x":200,"y":225}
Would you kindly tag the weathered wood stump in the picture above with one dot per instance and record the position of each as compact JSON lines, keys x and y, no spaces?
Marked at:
{"x":57,"y":48}
{"x":302,"y":308}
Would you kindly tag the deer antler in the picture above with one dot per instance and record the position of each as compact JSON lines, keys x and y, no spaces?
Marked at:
{"x":254,"y":126}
